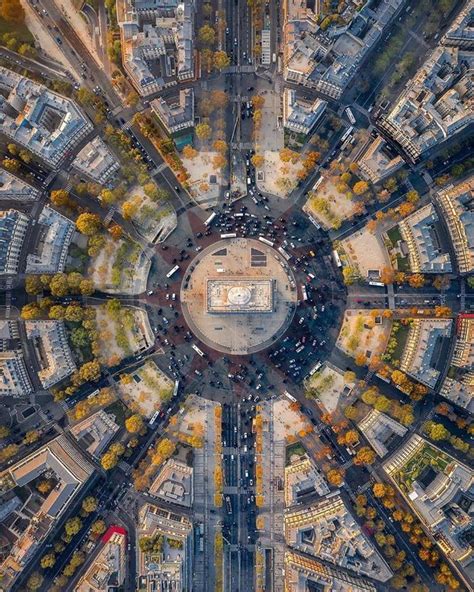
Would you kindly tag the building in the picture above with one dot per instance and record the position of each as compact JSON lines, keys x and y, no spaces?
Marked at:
{"x":176,"y":117}
{"x":13,"y":188}
{"x":463,"y":355}
{"x":459,"y":391}
{"x":97,"y":161}
{"x":54,"y":233}
{"x":382,"y":432}
{"x":424,"y":347}
{"x":157,"y":42}
{"x":302,"y":480}
{"x":29,"y":515}
{"x":50,"y":344}
{"x":327,"y":60}
{"x":435,"y":105}
{"x":95,"y":432}
{"x":455,"y":202}
{"x":46,"y":123}
{"x":170,"y":566}
{"x":300,"y":116}
{"x":441,"y":491}
{"x":174,"y":483}
{"x":9,"y":335}
{"x":13,"y":227}
{"x":421,"y":242}
{"x":108,"y":570}
{"x":327,"y":530}
{"x":303,"y":573}
{"x":14,"y":379}
{"x":379,"y":161}
{"x":461,"y":33}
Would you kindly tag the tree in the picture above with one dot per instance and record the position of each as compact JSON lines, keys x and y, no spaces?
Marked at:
{"x":470,"y":281}
{"x":219,"y":99}
{"x":220,"y":146}
{"x":73,"y":526}
{"x":48,"y":560}
{"x":36,"y":579}
{"x":203,"y":131}
{"x":90,"y":371}
{"x":88,"y":224}
{"x":31,"y":437}
{"x":436,"y":431}
{"x":86,"y":287}
{"x":360,"y":187}
{"x":387,"y":275}
{"x":89,"y":504}
{"x":10,"y":164}
{"x":134,"y":423}
{"x":405,"y":209}
{"x":413,"y":196}
{"x":258,"y":161}
{"x":33,"y":285}
{"x":369,"y":396}
{"x":365,"y":456}
{"x":416,"y":280}
{"x":379,"y":489}
{"x":116,"y":231}
{"x":361,"y":360}
{"x":207,"y":35}
{"x":98,"y":527}
{"x":30,"y":311}
{"x":221,"y":60}
{"x":351,"y":412}
{"x":219,"y":161}
{"x":335,"y":477}
{"x":45,"y":486}
{"x":4,"y":431}
{"x":189,"y":152}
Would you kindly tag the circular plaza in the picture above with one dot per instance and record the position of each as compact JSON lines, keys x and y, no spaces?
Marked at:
{"x":239,"y":296}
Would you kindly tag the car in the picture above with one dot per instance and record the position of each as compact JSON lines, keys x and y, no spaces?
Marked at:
{"x":150,"y":292}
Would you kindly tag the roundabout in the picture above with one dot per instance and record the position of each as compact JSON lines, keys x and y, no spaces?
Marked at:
{"x":239,"y":296}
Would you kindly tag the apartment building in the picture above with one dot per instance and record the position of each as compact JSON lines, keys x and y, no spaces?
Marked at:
{"x":46,"y":123}
{"x":382,"y":432}
{"x":13,"y":227}
{"x":379,"y":161}
{"x":94,"y":433}
{"x":300,"y":116}
{"x":14,"y":188}
{"x":97,"y":162}
{"x":176,"y":116}
{"x":14,"y":379}
{"x":53,"y":354}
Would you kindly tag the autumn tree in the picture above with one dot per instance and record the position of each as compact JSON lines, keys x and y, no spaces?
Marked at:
{"x":221,"y":60}
{"x":189,"y":152}
{"x":203,"y":131}
{"x":59,"y":197}
{"x":89,"y":504}
{"x":416,"y":280}
{"x":30,"y":311}
{"x":360,"y":187}
{"x":88,"y":224}
{"x":33,"y":285}
{"x":48,"y":560}
{"x":35,"y":580}
{"x":207,"y":35}
{"x":364,"y":456}
{"x":98,"y":527}
{"x":73,"y":526}
{"x":134,"y":424}
{"x":335,"y":477}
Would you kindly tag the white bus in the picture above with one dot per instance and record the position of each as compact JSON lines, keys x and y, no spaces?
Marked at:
{"x":305,"y":294}
{"x":380,"y":284}
{"x":282,"y":251}
{"x":318,"y":183}
{"x":229,"y":235}
{"x":346,"y":134}
{"x":265,"y":240}
{"x":197,"y":350}
{"x":315,"y":368}
{"x":172,"y":271}
{"x":93,"y":394}
{"x":337,"y":259}
{"x":350,"y":115}
{"x":210,"y":219}
{"x":154,"y":418}
{"x":288,"y":396}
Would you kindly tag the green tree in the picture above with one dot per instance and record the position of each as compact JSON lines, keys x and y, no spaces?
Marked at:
{"x":221,"y":60}
{"x":73,"y":526}
{"x":35,"y":580}
{"x":98,"y":527}
{"x":33,"y":285}
{"x":48,"y":560}
{"x":4,"y":431}
{"x":203,"y":131}
{"x":206,"y":35}
{"x":59,"y":285}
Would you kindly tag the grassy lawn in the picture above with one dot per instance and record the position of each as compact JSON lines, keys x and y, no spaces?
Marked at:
{"x":21,"y":32}
{"x":394,"y":235}
{"x":296,"y":448}
{"x":119,"y":410}
{"x":401,"y":337}
{"x":403,"y":263}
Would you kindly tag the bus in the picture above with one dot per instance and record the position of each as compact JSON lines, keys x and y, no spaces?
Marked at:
{"x":228,"y":504}
{"x":172,"y":271}
{"x":315,"y":368}
{"x":305,"y":294}
{"x":93,"y":394}
{"x":337,"y":259}
{"x":346,"y":134}
{"x":288,"y":396}
{"x":282,"y":251}
{"x":379,"y":284}
{"x":229,"y":235}
{"x":210,"y":219}
{"x":154,"y":418}
{"x":265,"y":240}
{"x":318,"y":183}
{"x":350,"y":115}
{"x":197,"y":350}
